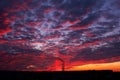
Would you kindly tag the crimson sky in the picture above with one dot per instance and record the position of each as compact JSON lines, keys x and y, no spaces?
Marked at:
{"x":34,"y":34}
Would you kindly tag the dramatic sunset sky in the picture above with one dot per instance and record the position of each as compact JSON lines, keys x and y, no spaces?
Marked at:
{"x":36,"y":35}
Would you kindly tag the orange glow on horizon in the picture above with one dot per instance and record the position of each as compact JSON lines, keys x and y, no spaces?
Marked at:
{"x":115,"y":66}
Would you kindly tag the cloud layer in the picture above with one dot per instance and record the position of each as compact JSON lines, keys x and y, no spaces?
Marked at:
{"x":79,"y":32}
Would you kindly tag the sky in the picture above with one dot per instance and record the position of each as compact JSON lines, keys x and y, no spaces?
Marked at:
{"x":35,"y":35}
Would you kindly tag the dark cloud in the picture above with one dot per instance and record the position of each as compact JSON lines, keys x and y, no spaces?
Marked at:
{"x":101,"y":53}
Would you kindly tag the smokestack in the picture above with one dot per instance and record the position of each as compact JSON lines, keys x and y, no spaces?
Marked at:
{"x":63,"y":63}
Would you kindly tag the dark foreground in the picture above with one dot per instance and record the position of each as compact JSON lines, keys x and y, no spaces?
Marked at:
{"x":66,"y":75}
